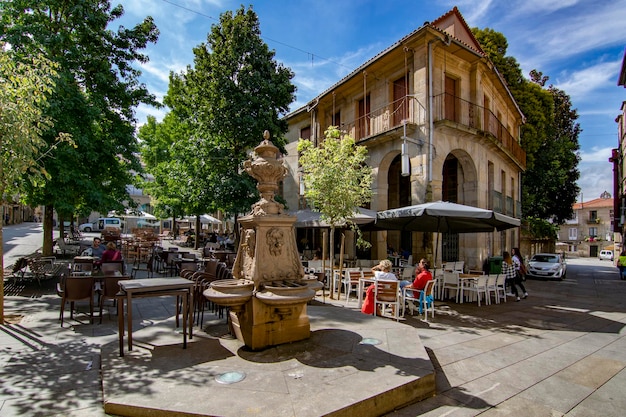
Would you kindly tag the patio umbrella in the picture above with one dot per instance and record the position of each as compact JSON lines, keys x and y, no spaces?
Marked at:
{"x":310,"y":218}
{"x":443,"y":217}
{"x":204,"y":219}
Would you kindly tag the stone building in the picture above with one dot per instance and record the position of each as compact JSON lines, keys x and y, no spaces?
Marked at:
{"x":619,"y":162}
{"x":590,"y":230}
{"x":439,"y":123}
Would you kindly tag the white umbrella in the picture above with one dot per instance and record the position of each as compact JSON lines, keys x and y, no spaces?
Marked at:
{"x":310,"y":218}
{"x":204,"y":219}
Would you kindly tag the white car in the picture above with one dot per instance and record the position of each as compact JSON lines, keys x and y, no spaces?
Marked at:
{"x":547,"y":266}
{"x":606,"y":255}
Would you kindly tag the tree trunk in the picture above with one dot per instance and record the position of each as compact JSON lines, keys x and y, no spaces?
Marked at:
{"x":332,"y":262}
{"x":196,"y":239}
{"x":1,"y":274}
{"x":48,"y":230}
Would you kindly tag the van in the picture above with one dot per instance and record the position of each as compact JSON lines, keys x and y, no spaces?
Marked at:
{"x":100,"y":224}
{"x":606,"y":254}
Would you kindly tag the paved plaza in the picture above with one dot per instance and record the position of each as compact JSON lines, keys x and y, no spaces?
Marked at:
{"x":561,"y":352}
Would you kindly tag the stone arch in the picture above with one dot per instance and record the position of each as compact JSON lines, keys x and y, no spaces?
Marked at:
{"x":467,"y":177}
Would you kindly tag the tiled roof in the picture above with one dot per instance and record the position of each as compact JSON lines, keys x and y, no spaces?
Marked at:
{"x":597,"y":203}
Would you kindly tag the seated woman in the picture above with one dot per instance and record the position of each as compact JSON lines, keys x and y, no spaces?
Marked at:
{"x":422,"y":276}
{"x":383,"y":272}
{"x":111,"y":253}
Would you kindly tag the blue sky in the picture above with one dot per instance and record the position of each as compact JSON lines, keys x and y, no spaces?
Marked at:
{"x":579,"y":44}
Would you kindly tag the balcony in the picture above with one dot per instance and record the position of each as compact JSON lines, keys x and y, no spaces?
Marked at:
{"x":455,"y":109}
{"x":390,"y":119}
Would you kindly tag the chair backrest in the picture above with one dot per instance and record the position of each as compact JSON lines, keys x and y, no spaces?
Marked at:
{"x":82,"y":265}
{"x":77,"y":288}
{"x":315,"y":266}
{"x":430,"y":287}
{"x":408,"y":272}
{"x":110,"y":286}
{"x":190,"y":265}
{"x":353,"y":275}
{"x":386,"y":290}
{"x":491,"y":280}
{"x":450,"y":278}
{"x":113,"y":266}
{"x":500,"y":279}
{"x":481,"y":281}
{"x":368,"y":274}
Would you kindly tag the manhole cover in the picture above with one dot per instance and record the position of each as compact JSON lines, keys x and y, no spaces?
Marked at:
{"x":230,"y":377}
{"x":370,"y":341}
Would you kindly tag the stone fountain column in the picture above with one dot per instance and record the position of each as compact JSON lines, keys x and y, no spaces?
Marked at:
{"x":275,"y":310}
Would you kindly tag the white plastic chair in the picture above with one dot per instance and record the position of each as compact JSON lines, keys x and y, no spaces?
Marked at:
{"x":478,"y":286}
{"x":491,"y":287}
{"x":500,"y":288}
{"x":451,"y":282}
{"x":350,"y":281}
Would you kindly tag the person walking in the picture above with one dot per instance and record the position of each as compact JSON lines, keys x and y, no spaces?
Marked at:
{"x":508,"y":269}
{"x":520,"y":270}
{"x":621,"y":264}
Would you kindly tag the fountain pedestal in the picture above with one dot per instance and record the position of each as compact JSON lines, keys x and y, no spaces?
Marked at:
{"x":275,"y":311}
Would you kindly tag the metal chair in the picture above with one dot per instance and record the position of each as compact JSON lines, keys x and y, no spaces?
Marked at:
{"x":72,"y":289}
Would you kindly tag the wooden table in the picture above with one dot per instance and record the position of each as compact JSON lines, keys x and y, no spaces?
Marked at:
{"x":153,"y":287}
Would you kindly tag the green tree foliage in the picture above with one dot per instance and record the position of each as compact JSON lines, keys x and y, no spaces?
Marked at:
{"x":549,"y":136}
{"x":23,"y":89}
{"x":234,"y":92}
{"x":337,"y":179}
{"x":96,"y":91}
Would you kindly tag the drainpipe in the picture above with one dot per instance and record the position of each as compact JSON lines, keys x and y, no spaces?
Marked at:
{"x":431,"y":124}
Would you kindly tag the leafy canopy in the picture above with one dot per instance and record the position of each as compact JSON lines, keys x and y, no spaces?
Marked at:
{"x":234,"y":92}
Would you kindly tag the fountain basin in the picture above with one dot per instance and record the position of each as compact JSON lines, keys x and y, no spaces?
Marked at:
{"x":230,"y":292}
{"x":281,"y":294}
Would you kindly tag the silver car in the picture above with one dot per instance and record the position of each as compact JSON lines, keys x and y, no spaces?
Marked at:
{"x":547,"y":266}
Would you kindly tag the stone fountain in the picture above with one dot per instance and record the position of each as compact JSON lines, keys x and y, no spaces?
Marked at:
{"x":268,"y":295}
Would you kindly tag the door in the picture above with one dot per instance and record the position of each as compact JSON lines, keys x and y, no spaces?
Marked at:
{"x":363,"y":122}
{"x":451,"y":110}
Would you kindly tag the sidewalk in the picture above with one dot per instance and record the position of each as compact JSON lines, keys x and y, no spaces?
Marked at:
{"x":560,"y":352}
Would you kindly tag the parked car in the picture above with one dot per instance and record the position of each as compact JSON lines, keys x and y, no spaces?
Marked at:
{"x":547,"y":266}
{"x":102,"y":223}
{"x":606,"y":255}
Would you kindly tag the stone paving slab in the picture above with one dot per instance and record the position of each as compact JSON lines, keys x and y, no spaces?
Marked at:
{"x":331,"y":373}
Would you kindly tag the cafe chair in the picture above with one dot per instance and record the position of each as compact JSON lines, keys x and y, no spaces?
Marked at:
{"x":387,"y":299}
{"x":110,"y":288}
{"x":82,"y":265}
{"x":109,"y":268}
{"x":500,"y":288}
{"x":491,"y":288}
{"x":428,"y":302}
{"x":72,"y":289}
{"x":451,"y":283}
{"x":478,"y":286}
{"x":350,"y":281}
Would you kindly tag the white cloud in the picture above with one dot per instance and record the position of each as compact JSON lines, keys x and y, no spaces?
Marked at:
{"x":580,"y":83}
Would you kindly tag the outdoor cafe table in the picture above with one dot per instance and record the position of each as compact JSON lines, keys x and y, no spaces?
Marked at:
{"x":153,"y":287}
{"x":464,"y":281}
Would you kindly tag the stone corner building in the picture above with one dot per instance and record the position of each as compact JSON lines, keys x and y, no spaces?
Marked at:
{"x":435,"y":94}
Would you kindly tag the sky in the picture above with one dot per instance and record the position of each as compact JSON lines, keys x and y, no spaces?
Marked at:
{"x":578,"y":44}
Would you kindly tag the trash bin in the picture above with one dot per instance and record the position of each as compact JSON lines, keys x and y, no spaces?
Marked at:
{"x":495,"y":264}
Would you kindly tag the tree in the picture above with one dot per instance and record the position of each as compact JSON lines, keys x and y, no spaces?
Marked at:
{"x":549,"y":136}
{"x":234,"y":92}
{"x":24,"y":86}
{"x":337,"y":180}
{"x":95,"y":93}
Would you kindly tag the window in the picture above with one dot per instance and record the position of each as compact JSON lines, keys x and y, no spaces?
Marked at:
{"x":573,"y":234}
{"x":593,"y":232}
{"x":400,"y":103}
{"x":305,"y":133}
{"x":593,"y":215}
{"x":364,"y":114}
